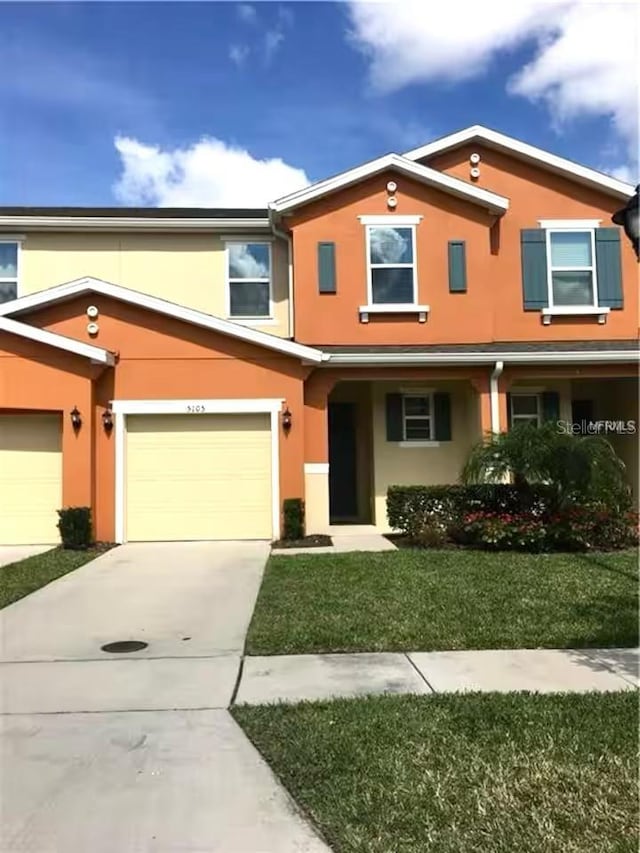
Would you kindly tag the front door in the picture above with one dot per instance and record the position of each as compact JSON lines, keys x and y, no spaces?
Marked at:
{"x":343,"y":489}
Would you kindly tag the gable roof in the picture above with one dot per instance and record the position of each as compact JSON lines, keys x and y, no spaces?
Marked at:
{"x":454,"y":186}
{"x":33,"y":333}
{"x":524,"y":151}
{"x":63,"y":292}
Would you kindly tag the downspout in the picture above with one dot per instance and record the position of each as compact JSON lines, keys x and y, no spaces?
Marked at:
{"x":495,"y":397}
{"x":284,"y":236}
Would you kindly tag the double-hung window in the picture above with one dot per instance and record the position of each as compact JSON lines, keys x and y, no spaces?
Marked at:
{"x":249,"y":280}
{"x":417,"y":417}
{"x":9,"y":259}
{"x":571,"y":268}
{"x":526,"y":409}
{"x":392,"y":269}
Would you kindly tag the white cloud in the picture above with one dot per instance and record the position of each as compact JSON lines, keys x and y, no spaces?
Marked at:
{"x":272,"y":41}
{"x":238,"y":54}
{"x":247,"y":13}
{"x":585,"y":53}
{"x":209,"y":173}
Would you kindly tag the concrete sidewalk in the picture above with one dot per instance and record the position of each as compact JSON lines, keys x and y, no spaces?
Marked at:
{"x":294,"y":678}
{"x":343,"y":543}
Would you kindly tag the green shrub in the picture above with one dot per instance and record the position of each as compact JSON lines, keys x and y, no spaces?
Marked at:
{"x":593,"y":527}
{"x":412,"y":508}
{"x":293,"y":511}
{"x":502,"y":532}
{"x":432,"y":535}
{"x":76,"y":528}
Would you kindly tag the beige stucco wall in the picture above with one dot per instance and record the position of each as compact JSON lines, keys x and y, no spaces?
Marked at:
{"x":188,"y":269}
{"x":397,"y":465}
{"x":316,"y":498}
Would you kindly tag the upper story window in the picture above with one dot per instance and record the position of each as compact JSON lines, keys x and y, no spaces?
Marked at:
{"x":571,"y":268}
{"x":392,"y":270}
{"x":249,"y":280}
{"x":526,"y":409}
{"x":9,"y":259}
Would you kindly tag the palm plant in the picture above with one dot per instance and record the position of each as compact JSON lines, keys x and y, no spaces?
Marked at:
{"x":579,"y":468}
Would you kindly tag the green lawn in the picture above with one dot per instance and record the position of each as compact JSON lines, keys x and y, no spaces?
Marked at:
{"x":21,"y":578}
{"x":492,"y":773}
{"x":428,"y":600}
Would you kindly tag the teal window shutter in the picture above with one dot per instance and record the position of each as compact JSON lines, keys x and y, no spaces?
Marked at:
{"x":457,"y":266}
{"x":550,"y":406}
{"x":395,"y":431}
{"x":534,"y":268}
{"x":327,"y":267}
{"x":609,"y":267}
{"x":442,"y":415}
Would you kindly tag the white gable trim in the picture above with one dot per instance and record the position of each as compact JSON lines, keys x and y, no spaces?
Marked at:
{"x":169,"y":309}
{"x":32,"y":333}
{"x":454,"y":186}
{"x":524,"y":151}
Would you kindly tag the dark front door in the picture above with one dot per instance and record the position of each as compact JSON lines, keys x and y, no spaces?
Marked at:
{"x":343,"y":489}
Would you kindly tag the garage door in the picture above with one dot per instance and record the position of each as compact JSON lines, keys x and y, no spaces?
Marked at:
{"x":30,"y":478}
{"x":198,"y":477}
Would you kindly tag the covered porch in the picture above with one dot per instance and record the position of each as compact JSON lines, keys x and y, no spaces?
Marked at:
{"x":367,"y":430}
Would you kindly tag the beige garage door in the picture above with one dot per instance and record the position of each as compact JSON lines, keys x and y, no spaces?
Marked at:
{"x":30,"y":478}
{"x":198,"y":477}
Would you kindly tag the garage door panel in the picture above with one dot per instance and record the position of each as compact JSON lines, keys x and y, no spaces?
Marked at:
{"x":30,"y":478}
{"x":198,"y":477}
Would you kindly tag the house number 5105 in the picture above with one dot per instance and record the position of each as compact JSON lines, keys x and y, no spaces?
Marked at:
{"x":196,"y":408}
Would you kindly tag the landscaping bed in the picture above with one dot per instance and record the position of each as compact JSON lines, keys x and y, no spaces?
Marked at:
{"x":474,"y":773}
{"x":318,"y":540}
{"x":25,"y":576}
{"x":412,"y":600}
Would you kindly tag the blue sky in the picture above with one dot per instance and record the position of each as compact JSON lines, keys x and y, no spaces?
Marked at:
{"x":190,"y":103}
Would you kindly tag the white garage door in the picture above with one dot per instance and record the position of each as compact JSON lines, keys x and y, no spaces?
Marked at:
{"x":30,"y":478}
{"x":198,"y":477}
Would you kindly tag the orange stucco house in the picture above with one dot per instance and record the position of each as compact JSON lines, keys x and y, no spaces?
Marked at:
{"x":182,"y":371}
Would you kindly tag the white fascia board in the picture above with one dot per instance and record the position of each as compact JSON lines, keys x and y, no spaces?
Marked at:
{"x":493,"y":202}
{"x":461,"y":359}
{"x":170,"y":309}
{"x":33,"y":333}
{"x":133,"y":223}
{"x":524,"y":151}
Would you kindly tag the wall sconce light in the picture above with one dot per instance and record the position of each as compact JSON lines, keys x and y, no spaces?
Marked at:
{"x":286,"y":421}
{"x":107,"y":421}
{"x":76,"y":418}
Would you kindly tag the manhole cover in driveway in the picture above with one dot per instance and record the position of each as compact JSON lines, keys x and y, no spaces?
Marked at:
{"x":124,"y":646}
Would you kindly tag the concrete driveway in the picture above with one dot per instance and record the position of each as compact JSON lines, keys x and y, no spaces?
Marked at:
{"x":137,"y":752}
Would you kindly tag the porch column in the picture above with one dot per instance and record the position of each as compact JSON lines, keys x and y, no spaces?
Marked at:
{"x":316,"y":451}
{"x":482,"y":386}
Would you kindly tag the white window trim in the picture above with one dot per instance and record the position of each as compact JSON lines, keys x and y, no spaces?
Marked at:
{"x":552,"y":226}
{"x":248,"y":319}
{"x":16,"y":239}
{"x":526,"y":393}
{"x":391,"y":219}
{"x":190,"y":407}
{"x":578,"y":224}
{"x":424,"y":442}
{"x":412,"y":307}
